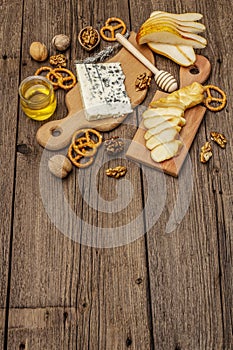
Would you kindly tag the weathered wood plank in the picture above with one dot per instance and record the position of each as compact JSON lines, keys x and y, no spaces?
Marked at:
{"x":36,"y":265}
{"x":101,"y":293}
{"x":220,"y":47}
{"x":10,"y":36}
{"x":112,"y":320}
{"x":65,"y":295}
{"x":191,"y":290}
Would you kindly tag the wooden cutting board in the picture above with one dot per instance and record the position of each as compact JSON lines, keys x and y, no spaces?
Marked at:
{"x":57,"y":134}
{"x":137,"y":150}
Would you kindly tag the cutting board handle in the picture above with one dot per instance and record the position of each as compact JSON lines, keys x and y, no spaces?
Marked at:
{"x":198,"y":72}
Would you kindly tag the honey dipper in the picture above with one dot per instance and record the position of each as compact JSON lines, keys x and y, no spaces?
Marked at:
{"x":162,"y":78}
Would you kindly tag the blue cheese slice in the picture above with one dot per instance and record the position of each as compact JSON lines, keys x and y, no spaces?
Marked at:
{"x":103,"y":90}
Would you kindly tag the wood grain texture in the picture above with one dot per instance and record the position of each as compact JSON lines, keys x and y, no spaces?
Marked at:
{"x":10,"y":36}
{"x":51,"y":272}
{"x":165,"y":291}
{"x":185,"y":277}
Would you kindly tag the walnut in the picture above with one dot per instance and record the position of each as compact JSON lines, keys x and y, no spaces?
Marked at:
{"x":38,"y":51}
{"x":58,"y":60}
{"x":61,"y":42}
{"x":89,"y":38}
{"x":116,"y":172}
{"x":142,"y":82}
{"x":114,"y":145}
{"x":220,"y":139}
{"x":206,"y":152}
{"x":59,"y":166}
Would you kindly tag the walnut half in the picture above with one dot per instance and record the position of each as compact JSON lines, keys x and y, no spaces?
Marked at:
{"x":206,"y":152}
{"x":142,"y":82}
{"x":220,"y":139}
{"x":116,"y":172}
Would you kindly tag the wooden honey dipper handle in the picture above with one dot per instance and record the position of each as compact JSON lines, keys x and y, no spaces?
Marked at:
{"x":163,"y":79}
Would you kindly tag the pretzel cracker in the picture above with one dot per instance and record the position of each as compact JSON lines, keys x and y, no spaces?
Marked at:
{"x":210,"y":99}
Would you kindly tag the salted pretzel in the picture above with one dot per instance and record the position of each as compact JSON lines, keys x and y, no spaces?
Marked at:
{"x":43,"y":69}
{"x":54,"y":75}
{"x":76,"y":158}
{"x":84,"y":147}
{"x":112,"y":28}
{"x":87,"y":135}
{"x":221,"y":101}
{"x":61,"y":80}
{"x":87,"y":149}
{"x":47,"y":70}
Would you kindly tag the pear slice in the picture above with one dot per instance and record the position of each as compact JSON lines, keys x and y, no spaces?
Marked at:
{"x":163,"y":111}
{"x":166,"y":151}
{"x":154,"y":122}
{"x":192,"y":27}
{"x":164,"y":25}
{"x":181,"y":54}
{"x":164,"y":136}
{"x":169,"y":35}
{"x":161,"y":25}
{"x":189,"y":16}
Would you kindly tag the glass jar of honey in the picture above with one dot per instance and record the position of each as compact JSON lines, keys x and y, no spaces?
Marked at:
{"x":37,"y":97}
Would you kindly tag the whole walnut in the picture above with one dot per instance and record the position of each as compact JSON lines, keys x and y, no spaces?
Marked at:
{"x":60,"y":166}
{"x":61,"y":42}
{"x":38,"y":51}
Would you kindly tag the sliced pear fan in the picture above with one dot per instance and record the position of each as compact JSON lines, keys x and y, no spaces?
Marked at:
{"x":169,"y":35}
{"x":192,"y":27}
{"x":173,"y":35}
{"x":166,"y":151}
{"x":181,"y":54}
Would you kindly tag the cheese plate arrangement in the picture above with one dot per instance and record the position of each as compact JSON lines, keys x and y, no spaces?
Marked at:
{"x":76,"y":118}
{"x":106,"y":92}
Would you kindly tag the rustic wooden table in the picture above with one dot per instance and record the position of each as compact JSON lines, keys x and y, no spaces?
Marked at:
{"x":161,"y":291}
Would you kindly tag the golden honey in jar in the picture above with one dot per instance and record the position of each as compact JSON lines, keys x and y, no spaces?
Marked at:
{"x":37,"y":97}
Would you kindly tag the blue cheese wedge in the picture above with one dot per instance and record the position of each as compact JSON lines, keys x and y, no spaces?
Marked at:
{"x":103,"y":90}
